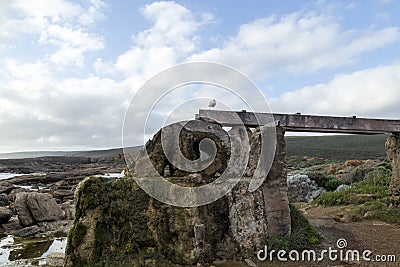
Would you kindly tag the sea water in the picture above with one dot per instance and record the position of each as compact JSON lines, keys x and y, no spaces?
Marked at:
{"x":8,"y":175}
{"x":7,"y":244}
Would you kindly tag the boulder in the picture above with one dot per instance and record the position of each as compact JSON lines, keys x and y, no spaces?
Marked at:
{"x":63,"y":194}
{"x":302,"y":188}
{"x":36,"y":207}
{"x":342,"y":187}
{"x":6,"y":187}
{"x":393,"y":152}
{"x":12,"y":225}
{"x":24,"y":214}
{"x":4,"y":200}
{"x":27,"y":231}
{"x":43,"y":207}
{"x":55,"y":259}
{"x":5,"y":215}
{"x":68,"y":209}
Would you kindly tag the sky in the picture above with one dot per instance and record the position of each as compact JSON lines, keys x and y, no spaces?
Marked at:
{"x":70,"y":68}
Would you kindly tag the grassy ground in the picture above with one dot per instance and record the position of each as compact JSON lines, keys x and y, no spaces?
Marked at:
{"x":369,"y":197}
{"x":337,"y":147}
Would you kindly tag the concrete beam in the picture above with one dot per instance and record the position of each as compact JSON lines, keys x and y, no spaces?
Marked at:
{"x":304,"y":123}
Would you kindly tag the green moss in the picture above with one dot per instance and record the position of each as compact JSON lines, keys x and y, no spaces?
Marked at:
{"x":303,"y":236}
{"x":132,"y":229}
{"x":60,"y":233}
{"x":121,"y":230}
{"x":78,"y":234}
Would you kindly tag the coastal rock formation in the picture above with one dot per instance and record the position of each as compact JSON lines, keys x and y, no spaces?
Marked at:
{"x":5,"y":215}
{"x":393,"y":152}
{"x":36,"y":207}
{"x":51,"y":183}
{"x":118,"y":224}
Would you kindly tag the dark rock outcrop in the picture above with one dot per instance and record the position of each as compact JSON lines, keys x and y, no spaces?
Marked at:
{"x":5,"y":215}
{"x":393,"y":152}
{"x":36,"y":207}
{"x":24,"y":214}
{"x":4,"y":201}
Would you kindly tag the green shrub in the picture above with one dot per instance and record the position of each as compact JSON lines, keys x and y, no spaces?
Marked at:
{"x":303,"y":236}
{"x":380,"y":176}
{"x":332,"y":183}
{"x":329,"y":182}
{"x":376,"y":184}
{"x":385,"y":164}
{"x":357,"y":174}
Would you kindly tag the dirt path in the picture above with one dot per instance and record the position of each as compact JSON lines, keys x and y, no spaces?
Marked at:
{"x":380,"y":238}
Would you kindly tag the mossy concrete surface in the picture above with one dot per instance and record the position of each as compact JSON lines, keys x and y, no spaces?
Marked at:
{"x":118,"y":224}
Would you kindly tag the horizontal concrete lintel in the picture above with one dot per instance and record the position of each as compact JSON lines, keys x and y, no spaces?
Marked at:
{"x":304,"y":123}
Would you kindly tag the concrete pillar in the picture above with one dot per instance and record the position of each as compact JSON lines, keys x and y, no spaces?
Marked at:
{"x":274,"y":188}
{"x":275,"y":191}
{"x":393,"y":152}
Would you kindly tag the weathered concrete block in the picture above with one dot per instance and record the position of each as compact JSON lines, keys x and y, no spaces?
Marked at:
{"x":276,"y":203}
{"x":393,"y":152}
{"x":118,"y":224}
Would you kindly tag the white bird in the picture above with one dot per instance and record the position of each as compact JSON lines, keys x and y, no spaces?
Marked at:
{"x":212,"y":103}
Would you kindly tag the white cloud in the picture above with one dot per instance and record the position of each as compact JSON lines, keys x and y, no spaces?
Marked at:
{"x":172,"y":37}
{"x":72,"y":44}
{"x":352,"y":5}
{"x":93,"y":12}
{"x":19,"y":16}
{"x":54,"y":139}
{"x":384,"y":2}
{"x":370,"y":92}
{"x":174,"y":25}
{"x":296,"y":43}
{"x":146,"y":61}
{"x":59,"y":25}
{"x":24,"y":81}
{"x":56,"y":10}
{"x":76,"y":109}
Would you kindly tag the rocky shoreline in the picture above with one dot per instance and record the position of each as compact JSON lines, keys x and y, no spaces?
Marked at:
{"x":39,"y":201}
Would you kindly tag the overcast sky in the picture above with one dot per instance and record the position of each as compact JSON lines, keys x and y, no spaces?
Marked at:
{"x":68,"y":69}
